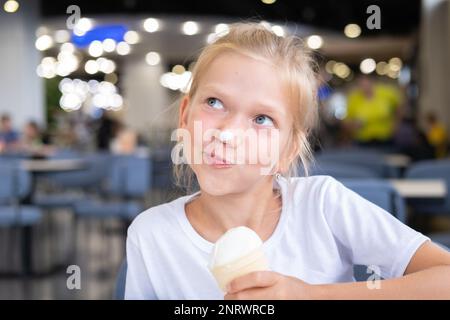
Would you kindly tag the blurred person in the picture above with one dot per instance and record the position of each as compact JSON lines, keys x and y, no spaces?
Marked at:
{"x":332,"y":131}
{"x":125,"y":143}
{"x":72,"y":133}
{"x":9,"y":138}
{"x":32,"y":141}
{"x":31,"y":137}
{"x":410,"y":140}
{"x":436,"y":135}
{"x":373,"y":112}
{"x":67,"y":136}
{"x":83,"y":132}
{"x":106,"y":131}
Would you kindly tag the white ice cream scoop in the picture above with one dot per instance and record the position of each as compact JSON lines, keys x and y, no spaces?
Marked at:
{"x":237,"y":252}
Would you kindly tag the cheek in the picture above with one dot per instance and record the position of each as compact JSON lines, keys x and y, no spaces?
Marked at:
{"x":199,"y":123}
{"x":198,"y":114}
{"x":270,"y":144}
{"x":272,"y":151}
{"x":208,"y":122}
{"x":203,"y":122}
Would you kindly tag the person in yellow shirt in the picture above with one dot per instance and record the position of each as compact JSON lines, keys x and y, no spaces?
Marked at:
{"x":436,"y":135}
{"x":373,"y":111}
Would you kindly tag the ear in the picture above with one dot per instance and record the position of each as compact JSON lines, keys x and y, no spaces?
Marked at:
{"x":183,"y":114}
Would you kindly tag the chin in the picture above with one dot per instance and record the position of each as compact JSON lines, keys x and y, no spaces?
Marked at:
{"x":218,"y":185}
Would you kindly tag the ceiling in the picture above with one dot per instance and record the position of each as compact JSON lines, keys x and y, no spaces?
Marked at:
{"x":398,"y":17}
{"x":397,"y":37}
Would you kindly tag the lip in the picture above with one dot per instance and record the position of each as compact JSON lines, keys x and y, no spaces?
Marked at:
{"x":216,"y":162}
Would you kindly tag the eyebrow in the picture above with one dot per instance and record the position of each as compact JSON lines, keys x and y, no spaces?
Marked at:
{"x":273,"y":109}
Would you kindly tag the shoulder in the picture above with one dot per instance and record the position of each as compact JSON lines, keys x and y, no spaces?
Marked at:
{"x":159,"y":219}
{"x":312,"y":184}
{"x":316,"y":189}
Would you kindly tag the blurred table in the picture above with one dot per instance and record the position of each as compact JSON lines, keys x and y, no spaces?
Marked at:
{"x":420,"y":188}
{"x":36,"y":167}
{"x":397,"y":160}
{"x":53,"y":165}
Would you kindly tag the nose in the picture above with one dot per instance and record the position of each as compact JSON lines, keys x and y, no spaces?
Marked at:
{"x":230,"y":130}
{"x":226,"y":136}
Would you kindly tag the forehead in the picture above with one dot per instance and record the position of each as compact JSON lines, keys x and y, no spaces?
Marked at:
{"x":245,"y":78}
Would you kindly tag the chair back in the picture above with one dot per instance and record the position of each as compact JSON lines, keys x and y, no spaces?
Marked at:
{"x":431,"y":169}
{"x":130,"y":176}
{"x":15,"y":183}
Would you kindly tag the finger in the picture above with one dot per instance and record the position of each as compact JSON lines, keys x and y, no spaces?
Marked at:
{"x":249,"y":294}
{"x":253,"y":279}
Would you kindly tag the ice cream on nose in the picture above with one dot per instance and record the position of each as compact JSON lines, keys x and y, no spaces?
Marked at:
{"x":237,"y":252}
{"x":226,"y":136}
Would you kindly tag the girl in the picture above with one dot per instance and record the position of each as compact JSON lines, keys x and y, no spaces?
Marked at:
{"x":313,"y":228}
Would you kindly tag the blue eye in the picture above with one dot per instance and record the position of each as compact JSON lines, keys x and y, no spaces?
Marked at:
{"x":214,"y":103}
{"x":264,"y":120}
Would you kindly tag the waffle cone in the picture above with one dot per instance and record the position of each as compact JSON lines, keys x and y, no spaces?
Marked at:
{"x":254,"y":261}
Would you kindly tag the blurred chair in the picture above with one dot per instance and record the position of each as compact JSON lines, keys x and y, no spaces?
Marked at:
{"x":12,"y":156}
{"x":162,"y":167}
{"x":66,"y":153}
{"x":119,"y":290}
{"x":65,"y":189}
{"x":431,"y":169}
{"x":161,"y":174}
{"x":127,"y":184}
{"x":342,"y":171}
{"x":88,"y":179}
{"x":15,"y":185}
{"x":370,"y":160}
{"x":383,"y":194}
{"x":128,"y":180}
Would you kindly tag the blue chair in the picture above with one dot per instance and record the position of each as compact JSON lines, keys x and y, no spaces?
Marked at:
{"x":119,"y":290}
{"x":88,"y":179}
{"x":431,"y":169}
{"x":130,"y":176}
{"x":161,"y":174}
{"x":383,"y":194}
{"x":129,"y":181}
{"x":66,"y":153}
{"x":15,"y":185}
{"x":342,"y":171}
{"x":369,"y":159}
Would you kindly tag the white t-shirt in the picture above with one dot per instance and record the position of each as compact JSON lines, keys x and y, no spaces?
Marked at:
{"x":324,"y":229}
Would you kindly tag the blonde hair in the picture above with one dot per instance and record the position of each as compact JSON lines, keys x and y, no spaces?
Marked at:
{"x":297,"y":68}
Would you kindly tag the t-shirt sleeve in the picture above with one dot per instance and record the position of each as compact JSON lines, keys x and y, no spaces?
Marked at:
{"x":138,"y":285}
{"x":370,"y":235}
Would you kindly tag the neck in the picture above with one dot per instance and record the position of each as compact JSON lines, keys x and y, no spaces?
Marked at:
{"x":257,"y":209}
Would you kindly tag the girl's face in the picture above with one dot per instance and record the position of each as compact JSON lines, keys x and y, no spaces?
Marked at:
{"x":239,"y":124}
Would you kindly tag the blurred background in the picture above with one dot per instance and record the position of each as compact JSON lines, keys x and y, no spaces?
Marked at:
{"x":88,"y":103}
